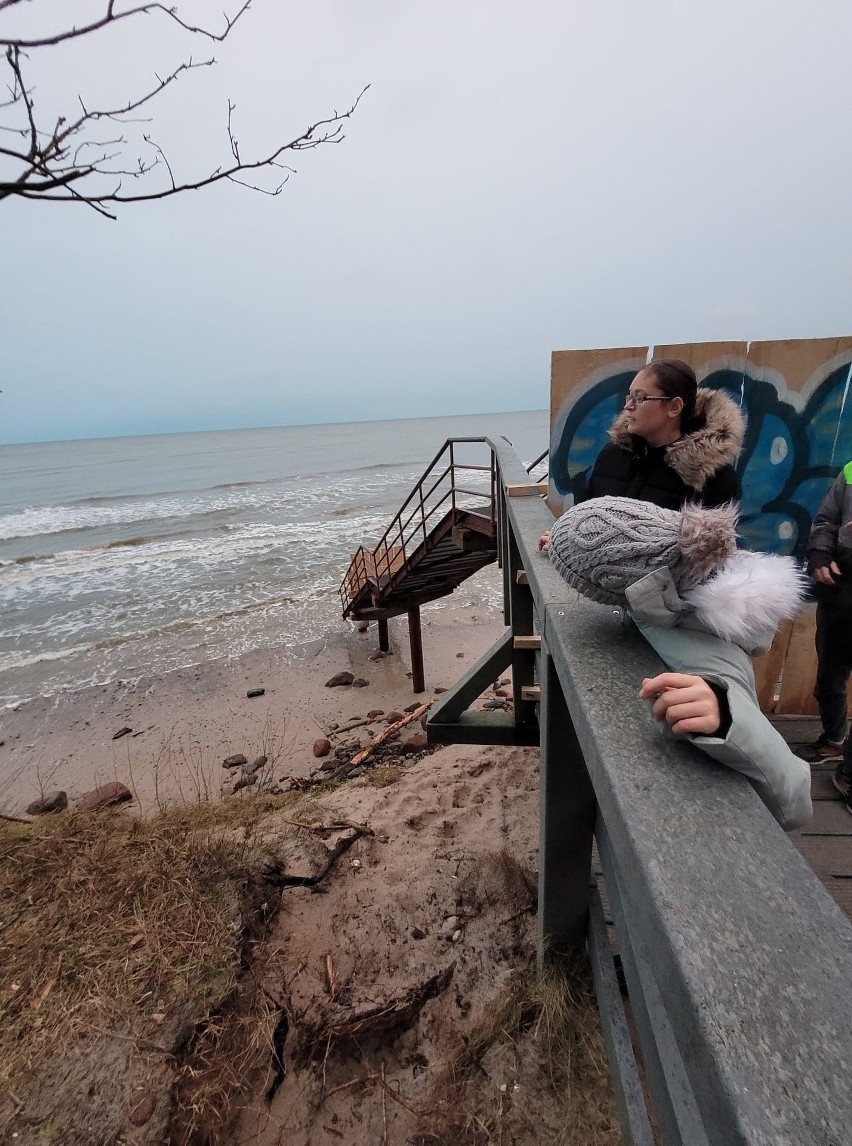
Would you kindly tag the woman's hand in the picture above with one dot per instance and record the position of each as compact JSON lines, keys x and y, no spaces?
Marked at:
{"x":544,"y":541}
{"x":823,"y":574}
{"x":686,"y":703}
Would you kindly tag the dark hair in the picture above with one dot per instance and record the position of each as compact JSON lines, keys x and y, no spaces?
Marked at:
{"x":676,"y":380}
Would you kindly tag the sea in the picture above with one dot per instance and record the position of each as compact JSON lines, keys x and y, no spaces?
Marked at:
{"x":122,"y":558}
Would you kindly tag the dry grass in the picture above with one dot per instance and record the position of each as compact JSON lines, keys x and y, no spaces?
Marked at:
{"x":550,"y":1021}
{"x":126,"y":929}
{"x":186,"y":772}
{"x":382,"y":776}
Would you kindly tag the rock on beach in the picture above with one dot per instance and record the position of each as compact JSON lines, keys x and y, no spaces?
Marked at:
{"x":50,"y":802}
{"x":104,"y":796}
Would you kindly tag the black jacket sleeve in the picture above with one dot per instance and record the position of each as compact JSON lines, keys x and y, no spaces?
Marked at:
{"x":822,"y":540}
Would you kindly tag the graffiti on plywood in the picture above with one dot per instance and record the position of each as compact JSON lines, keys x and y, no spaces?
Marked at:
{"x":797,"y":400}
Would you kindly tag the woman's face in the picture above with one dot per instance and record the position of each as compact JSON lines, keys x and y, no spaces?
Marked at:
{"x":657,"y":420}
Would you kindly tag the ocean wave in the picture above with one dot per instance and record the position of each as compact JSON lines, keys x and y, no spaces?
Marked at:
{"x":248,"y":484}
{"x":131,"y":541}
{"x":202,"y":510}
{"x":313,"y":542}
{"x":15,"y":662}
{"x":29,"y":559}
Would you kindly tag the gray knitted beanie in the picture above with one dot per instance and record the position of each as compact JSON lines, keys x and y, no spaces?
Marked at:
{"x":604,"y":545}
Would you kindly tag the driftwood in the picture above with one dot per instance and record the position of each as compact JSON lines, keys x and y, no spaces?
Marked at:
{"x":361,"y":829}
{"x":16,"y":819}
{"x":361,"y":756}
{"x":303,"y":783}
{"x":336,"y":1022}
{"x":354,"y":724}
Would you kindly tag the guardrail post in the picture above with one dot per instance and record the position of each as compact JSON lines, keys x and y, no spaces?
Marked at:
{"x":384,"y":639}
{"x":566,"y":823}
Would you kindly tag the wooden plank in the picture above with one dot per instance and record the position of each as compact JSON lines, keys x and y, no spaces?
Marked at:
{"x":528,"y":642}
{"x":797,"y":359}
{"x":799,"y":672}
{"x":521,"y":577}
{"x":830,"y":819}
{"x":768,"y":668}
{"x":840,"y":891}
{"x":829,"y":857}
{"x":704,"y":357}
{"x":531,"y":692}
{"x":535,"y":489}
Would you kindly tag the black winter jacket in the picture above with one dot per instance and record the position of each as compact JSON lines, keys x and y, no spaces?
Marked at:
{"x":696,"y":468}
{"x":830,"y":539}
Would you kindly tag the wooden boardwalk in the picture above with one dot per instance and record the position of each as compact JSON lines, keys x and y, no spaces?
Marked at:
{"x":826,"y":841}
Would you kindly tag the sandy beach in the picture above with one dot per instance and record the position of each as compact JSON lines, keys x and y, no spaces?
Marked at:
{"x":185,"y":723}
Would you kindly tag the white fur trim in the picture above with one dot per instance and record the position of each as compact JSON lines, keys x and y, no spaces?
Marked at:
{"x":751,"y":593}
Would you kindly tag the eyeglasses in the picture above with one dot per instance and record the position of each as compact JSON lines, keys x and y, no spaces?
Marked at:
{"x":641,"y":399}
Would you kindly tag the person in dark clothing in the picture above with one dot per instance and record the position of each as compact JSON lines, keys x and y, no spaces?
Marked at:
{"x":830,"y":564}
{"x":673,"y":443}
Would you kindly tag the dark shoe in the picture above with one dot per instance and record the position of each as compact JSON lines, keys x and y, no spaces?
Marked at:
{"x":824,"y":750}
{"x":842,"y":782}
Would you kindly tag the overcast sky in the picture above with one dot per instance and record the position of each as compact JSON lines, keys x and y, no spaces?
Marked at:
{"x":520,"y":177}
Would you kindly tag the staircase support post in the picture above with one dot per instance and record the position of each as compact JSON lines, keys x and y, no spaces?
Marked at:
{"x":384,"y":639}
{"x":416,"y":643}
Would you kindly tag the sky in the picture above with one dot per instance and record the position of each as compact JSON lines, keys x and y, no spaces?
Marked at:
{"x":519,"y":178}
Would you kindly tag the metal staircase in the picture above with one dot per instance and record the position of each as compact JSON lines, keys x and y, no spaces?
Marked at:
{"x":445,"y":532}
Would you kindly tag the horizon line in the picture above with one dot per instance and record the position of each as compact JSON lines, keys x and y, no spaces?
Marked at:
{"x":251,"y":429}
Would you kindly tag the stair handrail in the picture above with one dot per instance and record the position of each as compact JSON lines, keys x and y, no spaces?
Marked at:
{"x":396,"y":541}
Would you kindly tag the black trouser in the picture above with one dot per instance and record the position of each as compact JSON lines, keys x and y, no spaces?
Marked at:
{"x":834,"y":665}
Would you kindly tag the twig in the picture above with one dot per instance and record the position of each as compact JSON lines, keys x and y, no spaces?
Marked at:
{"x":18,"y":819}
{"x":333,"y":827}
{"x":349,"y":1085}
{"x":330,"y":976}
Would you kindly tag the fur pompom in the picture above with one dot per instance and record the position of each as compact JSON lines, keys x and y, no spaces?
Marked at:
{"x":751,"y":594}
{"x":707,"y":538}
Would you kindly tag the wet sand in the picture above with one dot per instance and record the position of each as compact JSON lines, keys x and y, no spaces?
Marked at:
{"x":185,"y":723}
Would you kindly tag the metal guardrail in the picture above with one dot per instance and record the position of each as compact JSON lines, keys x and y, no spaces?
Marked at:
{"x":737,"y":961}
{"x":441,"y":489}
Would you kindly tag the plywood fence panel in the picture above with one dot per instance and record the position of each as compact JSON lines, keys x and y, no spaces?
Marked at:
{"x":799,"y":674}
{"x":767,"y":669}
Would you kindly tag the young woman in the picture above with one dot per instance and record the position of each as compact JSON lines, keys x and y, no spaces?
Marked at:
{"x":673,"y":443}
{"x":705,"y":607}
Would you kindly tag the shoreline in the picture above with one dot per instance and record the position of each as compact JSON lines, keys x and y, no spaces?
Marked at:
{"x":186,"y":722}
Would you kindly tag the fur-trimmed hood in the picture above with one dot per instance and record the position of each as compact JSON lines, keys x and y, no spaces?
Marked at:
{"x":743,"y":602}
{"x":698,"y":455}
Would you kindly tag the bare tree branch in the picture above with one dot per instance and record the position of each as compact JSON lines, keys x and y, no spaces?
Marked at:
{"x":66,"y":161}
{"x":111,"y":17}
